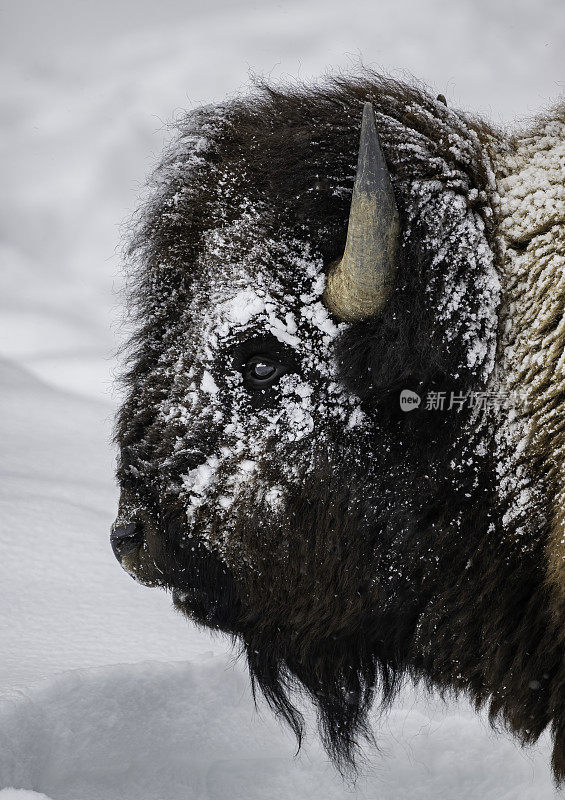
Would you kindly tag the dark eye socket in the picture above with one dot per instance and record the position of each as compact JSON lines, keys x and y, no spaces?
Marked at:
{"x":262,"y":370}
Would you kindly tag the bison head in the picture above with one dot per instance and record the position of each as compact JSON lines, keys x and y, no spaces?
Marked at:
{"x":270,"y":478}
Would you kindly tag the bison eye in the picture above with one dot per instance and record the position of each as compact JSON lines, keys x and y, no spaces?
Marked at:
{"x":261,"y":371}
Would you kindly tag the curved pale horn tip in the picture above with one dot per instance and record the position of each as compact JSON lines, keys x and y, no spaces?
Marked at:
{"x":359,"y":284}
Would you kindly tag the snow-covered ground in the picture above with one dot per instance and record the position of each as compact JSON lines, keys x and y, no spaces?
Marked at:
{"x":104,"y":691}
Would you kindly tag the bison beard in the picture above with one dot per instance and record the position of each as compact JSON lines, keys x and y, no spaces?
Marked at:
{"x":344,"y":544}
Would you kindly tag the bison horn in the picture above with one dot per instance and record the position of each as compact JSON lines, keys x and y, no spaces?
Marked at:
{"x":358,"y":284}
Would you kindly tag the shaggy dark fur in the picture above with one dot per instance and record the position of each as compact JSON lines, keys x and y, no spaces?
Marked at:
{"x":390,"y":557}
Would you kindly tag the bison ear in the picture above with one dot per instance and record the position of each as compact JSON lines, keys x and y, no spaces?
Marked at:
{"x":359,"y":284}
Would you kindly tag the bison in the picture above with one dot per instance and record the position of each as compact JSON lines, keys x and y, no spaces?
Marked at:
{"x":342,"y":441}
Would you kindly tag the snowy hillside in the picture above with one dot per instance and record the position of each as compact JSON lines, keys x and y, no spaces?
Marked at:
{"x":105,"y":692}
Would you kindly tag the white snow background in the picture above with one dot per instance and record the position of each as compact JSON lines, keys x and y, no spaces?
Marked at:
{"x":106,"y":693}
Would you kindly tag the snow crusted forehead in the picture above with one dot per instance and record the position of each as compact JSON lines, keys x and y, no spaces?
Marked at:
{"x":242,"y":292}
{"x":261,"y":294}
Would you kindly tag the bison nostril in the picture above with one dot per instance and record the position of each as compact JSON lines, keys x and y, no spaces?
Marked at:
{"x":125,"y":538}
